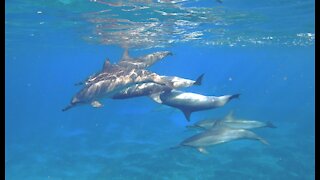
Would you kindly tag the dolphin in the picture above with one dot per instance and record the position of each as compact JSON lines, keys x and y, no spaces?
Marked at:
{"x":126,"y":62}
{"x":110,"y":81}
{"x":217,"y":135}
{"x":189,"y":102}
{"x":142,"y":62}
{"x":231,"y":122}
{"x":147,"y":89}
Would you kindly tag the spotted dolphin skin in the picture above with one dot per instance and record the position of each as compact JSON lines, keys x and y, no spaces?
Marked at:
{"x":112,"y":80}
{"x":218,"y":135}
{"x":127,"y":62}
{"x":191,"y":102}
{"x":232,"y":122}
{"x":128,"y":79}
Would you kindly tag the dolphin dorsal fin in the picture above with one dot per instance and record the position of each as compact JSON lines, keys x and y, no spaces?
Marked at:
{"x":229,"y":116}
{"x":106,"y":65}
{"x":187,"y":114}
{"x":125,"y":55}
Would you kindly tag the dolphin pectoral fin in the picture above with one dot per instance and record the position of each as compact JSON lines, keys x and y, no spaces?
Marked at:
{"x":202,"y":150}
{"x":96,"y":104}
{"x":156,"y":97}
{"x":187,"y":114}
{"x":198,"y":81}
{"x":263,"y":141}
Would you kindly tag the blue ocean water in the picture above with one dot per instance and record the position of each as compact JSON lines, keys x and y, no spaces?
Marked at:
{"x":263,"y":50}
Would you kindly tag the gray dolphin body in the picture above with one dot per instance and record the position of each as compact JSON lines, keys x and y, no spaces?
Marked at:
{"x":217,"y":135}
{"x":232,"y":122}
{"x":191,"y":102}
{"x":127,"y":62}
{"x":156,"y":85}
{"x":143,"y":61}
{"x":112,"y":79}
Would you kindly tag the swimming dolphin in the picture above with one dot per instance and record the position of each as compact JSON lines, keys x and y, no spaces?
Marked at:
{"x":113,"y":79}
{"x":127,"y":62}
{"x":143,"y":61}
{"x":231,"y":122}
{"x":217,"y":135}
{"x":147,"y":89}
{"x":191,"y":102}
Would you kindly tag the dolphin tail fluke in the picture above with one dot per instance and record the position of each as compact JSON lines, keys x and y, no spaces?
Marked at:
{"x":235,"y":96}
{"x":198,"y":81}
{"x":187,"y":114}
{"x":270,"y":125}
{"x":67,"y":107}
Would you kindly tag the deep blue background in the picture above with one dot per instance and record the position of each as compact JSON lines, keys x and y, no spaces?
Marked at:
{"x":130,"y":138}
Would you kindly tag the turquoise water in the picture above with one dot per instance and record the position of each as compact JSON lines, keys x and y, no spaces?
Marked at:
{"x":263,"y":50}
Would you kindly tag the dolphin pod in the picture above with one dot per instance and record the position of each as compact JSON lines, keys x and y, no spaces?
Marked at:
{"x":129,"y":78}
{"x":222,"y":130}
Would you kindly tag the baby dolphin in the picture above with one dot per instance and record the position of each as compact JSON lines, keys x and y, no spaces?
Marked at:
{"x":217,"y":135}
{"x":231,"y":122}
{"x":191,"y":102}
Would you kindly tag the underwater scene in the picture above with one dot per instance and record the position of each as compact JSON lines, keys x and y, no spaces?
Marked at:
{"x":160,"y":89}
